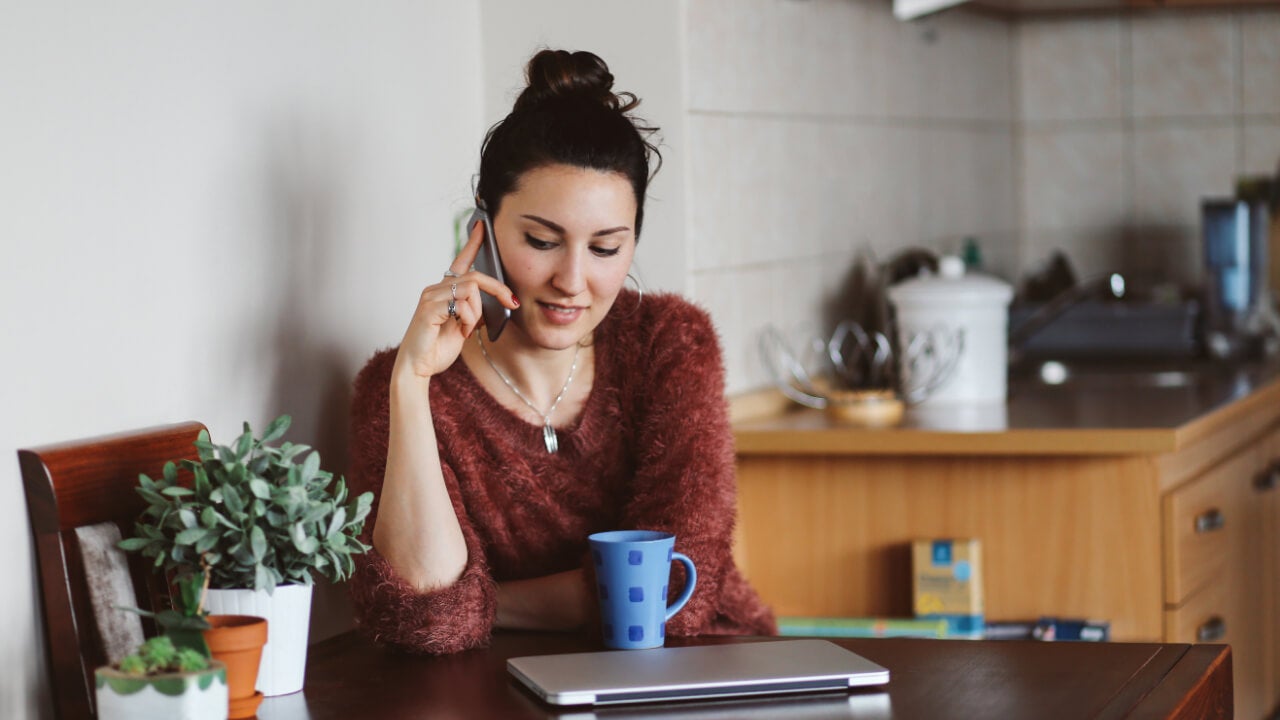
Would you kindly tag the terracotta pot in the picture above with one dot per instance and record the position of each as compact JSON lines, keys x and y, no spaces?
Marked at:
{"x":237,"y":640}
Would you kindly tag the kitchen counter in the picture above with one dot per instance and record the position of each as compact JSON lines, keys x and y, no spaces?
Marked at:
{"x":1148,"y":497}
{"x":1116,"y":410}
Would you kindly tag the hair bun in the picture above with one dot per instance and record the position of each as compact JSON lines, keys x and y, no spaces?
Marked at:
{"x":561,"y":75}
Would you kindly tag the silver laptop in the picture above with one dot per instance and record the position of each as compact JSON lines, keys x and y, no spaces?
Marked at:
{"x":685,"y":673}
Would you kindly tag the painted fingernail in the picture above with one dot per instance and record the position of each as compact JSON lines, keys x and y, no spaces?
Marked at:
{"x":515,"y":300}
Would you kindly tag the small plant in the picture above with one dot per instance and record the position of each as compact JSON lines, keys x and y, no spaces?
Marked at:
{"x":158,"y":656}
{"x":255,"y":514}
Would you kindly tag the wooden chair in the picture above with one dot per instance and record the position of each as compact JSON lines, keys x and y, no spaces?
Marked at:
{"x":80,"y":490}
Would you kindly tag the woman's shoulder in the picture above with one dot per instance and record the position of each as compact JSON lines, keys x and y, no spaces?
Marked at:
{"x":377,"y":370}
{"x":664,"y":317}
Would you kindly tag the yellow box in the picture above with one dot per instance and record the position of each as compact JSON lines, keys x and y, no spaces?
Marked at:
{"x":947,"y":583}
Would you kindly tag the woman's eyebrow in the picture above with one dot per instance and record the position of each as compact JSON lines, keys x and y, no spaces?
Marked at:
{"x":556,"y":228}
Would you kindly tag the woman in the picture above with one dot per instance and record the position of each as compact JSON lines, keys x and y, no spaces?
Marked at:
{"x":596,"y":409}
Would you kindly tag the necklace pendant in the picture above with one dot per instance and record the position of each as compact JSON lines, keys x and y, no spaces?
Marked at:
{"x":549,"y":437}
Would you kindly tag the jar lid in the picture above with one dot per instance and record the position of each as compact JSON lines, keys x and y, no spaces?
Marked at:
{"x":951,"y":286}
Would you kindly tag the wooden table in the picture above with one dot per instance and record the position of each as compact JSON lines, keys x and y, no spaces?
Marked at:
{"x":349,"y":677}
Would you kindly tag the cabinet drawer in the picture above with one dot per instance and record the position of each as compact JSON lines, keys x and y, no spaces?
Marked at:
{"x":1202,"y":522}
{"x":1204,"y":617}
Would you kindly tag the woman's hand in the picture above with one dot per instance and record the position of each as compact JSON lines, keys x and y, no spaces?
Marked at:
{"x":434,"y":338}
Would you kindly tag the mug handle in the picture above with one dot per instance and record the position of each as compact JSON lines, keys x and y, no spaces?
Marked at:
{"x":690,"y":581}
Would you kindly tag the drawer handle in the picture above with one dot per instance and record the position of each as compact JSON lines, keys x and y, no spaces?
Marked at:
{"x":1210,"y":521}
{"x":1268,"y":479}
{"x":1213,"y":629}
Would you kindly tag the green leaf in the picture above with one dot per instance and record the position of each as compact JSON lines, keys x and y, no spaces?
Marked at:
{"x":170,"y":472}
{"x":207,"y":543}
{"x":225,"y":454}
{"x":258,"y":541}
{"x":151,"y":496}
{"x":232,"y":498}
{"x":318,"y":512}
{"x":289,"y":451}
{"x":177,"y":491}
{"x":190,"y":536}
{"x":262,"y":578}
{"x":305,"y":545}
{"x":310,"y":466}
{"x":276,"y":429}
{"x":335,"y":525}
{"x":245,"y":443}
{"x":145,"y":481}
{"x":260,"y":488}
{"x":133,"y":544}
{"x":188,"y":518}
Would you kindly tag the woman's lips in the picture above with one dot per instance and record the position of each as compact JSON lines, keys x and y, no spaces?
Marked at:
{"x":560,"y":314}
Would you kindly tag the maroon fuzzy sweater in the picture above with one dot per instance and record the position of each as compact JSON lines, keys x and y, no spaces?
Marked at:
{"x":651,"y":450}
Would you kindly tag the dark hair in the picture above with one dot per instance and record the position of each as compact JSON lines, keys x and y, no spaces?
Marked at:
{"x":568,"y":114}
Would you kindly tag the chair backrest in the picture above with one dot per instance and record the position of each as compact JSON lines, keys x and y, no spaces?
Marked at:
{"x":76,"y":490}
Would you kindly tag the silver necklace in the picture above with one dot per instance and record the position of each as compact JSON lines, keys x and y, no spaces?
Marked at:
{"x":548,"y":432}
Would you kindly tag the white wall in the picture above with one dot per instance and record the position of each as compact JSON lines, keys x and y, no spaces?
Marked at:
{"x":212,"y":211}
{"x":643,"y":44}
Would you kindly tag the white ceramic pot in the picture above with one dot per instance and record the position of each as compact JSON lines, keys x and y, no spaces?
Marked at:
{"x":288,"y":613}
{"x":198,"y":695}
{"x":970,"y":307}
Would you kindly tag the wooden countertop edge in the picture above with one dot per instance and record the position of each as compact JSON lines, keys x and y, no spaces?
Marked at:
{"x":839,"y":441}
{"x":1264,"y":400}
{"x":751,"y":414}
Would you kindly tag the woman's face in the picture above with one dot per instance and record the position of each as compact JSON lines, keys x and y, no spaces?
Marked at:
{"x":566,"y":236}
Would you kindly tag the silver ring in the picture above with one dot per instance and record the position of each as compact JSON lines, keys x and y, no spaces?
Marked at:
{"x":453,"y":309}
{"x":453,"y":291}
{"x":451,"y":274}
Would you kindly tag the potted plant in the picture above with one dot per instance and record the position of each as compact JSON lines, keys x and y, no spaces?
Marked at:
{"x":170,"y":675}
{"x":233,"y":642}
{"x":264,"y":518}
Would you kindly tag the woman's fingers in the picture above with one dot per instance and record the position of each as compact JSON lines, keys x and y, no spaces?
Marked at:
{"x":465,"y":259}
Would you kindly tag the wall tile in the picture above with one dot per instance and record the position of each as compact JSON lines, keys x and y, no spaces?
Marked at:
{"x":888,"y":185}
{"x":1183,"y":64}
{"x":735,"y":192}
{"x":733,"y":50}
{"x":1074,"y":178}
{"x":1169,"y":253}
{"x":1260,"y":39}
{"x":819,"y":211}
{"x":896,"y":55}
{"x":1175,"y":165}
{"x":995,"y":181}
{"x":948,"y":187}
{"x":1069,"y":69}
{"x":965,"y":68}
{"x":1261,"y":147}
{"x":740,"y":304}
{"x":1092,"y":251}
{"x":735,"y":299}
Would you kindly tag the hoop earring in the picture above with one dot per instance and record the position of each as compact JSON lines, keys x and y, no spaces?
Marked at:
{"x":639,"y":293}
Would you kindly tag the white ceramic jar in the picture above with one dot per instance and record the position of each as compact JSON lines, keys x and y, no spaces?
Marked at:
{"x":976,"y":309}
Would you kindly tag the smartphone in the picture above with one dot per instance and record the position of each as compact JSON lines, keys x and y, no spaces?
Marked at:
{"x":487,"y":261}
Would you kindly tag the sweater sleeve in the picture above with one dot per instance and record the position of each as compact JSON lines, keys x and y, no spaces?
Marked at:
{"x":387,"y":607}
{"x":684,"y":480}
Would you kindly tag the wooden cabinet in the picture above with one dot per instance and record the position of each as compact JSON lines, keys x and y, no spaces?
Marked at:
{"x":1219,"y":571}
{"x":1174,"y":545}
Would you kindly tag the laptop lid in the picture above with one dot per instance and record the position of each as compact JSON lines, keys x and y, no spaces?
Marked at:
{"x":705,"y":671}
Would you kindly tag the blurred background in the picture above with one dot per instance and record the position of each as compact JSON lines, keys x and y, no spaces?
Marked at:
{"x":219,"y":211}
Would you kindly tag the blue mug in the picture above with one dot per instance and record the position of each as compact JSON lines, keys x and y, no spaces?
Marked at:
{"x":633,"y":568}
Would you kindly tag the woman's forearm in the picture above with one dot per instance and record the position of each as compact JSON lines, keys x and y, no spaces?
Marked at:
{"x":416,"y":528}
{"x":551,"y":602}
